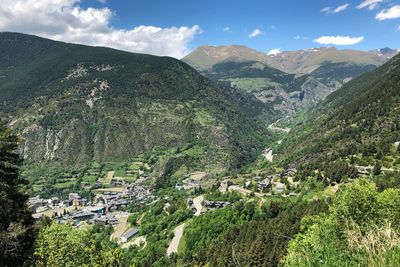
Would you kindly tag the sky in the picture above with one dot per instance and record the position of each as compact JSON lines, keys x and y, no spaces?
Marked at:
{"x":175,"y":28}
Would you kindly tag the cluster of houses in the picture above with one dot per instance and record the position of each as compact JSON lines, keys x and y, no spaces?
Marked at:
{"x":37,"y":204}
{"x":212,"y":205}
{"x":134,"y":193}
{"x":191,"y":205}
{"x":92,"y":215}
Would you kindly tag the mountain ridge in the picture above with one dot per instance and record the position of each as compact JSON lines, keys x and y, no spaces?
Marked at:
{"x":75,"y":104}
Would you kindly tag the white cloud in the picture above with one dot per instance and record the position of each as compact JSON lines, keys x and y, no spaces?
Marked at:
{"x":297,"y":37}
{"x":66,"y":20}
{"x":398,"y":28}
{"x":326,"y":10}
{"x":102,"y":1}
{"x":226,"y":29}
{"x":274,"y":51}
{"x":340,"y":8}
{"x":371,"y":4}
{"x":255,"y":33}
{"x":273,"y":27}
{"x":339,"y":40}
{"x":391,"y":13}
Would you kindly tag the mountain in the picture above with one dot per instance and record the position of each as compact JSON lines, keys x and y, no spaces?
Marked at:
{"x":206,"y":56}
{"x":290,"y":80}
{"x":75,"y":104}
{"x":282,"y":92}
{"x":359,"y":122}
{"x":300,"y":61}
{"x":309,"y":60}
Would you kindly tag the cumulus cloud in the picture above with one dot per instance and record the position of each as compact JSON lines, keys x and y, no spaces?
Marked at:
{"x":226,"y":29}
{"x":326,"y":10}
{"x":66,"y":20}
{"x":340,"y":8}
{"x":255,"y":33}
{"x":391,"y":13}
{"x":339,"y":40}
{"x":371,"y":4}
{"x":274,"y":51}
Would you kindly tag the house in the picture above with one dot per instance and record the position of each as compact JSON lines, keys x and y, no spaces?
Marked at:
{"x":263,"y":185}
{"x":279,"y":188}
{"x":179,"y":187}
{"x":212,"y":205}
{"x":129,"y":234}
{"x":225,"y":183}
{"x":73,"y":196}
{"x":291,"y":172}
{"x":190,"y":201}
{"x":292,"y":194}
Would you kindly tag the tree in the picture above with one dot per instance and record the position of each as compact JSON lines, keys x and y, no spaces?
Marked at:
{"x":377,"y":168}
{"x":16,"y":221}
{"x":65,"y":245}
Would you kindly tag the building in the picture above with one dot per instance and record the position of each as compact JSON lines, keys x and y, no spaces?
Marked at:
{"x":226,"y":183}
{"x":129,"y":234}
{"x":279,"y":188}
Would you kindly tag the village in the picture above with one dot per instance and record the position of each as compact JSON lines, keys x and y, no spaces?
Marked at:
{"x":109,"y":205}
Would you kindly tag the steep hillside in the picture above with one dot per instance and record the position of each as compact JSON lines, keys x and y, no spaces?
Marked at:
{"x":361,"y":120}
{"x":75,"y":104}
{"x":282,"y":92}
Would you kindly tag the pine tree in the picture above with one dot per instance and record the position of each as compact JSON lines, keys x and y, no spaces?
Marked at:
{"x":16,"y":222}
{"x":377,"y":168}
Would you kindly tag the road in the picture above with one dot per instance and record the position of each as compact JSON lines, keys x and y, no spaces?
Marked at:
{"x":371,"y":167}
{"x":197,"y":203}
{"x":178,"y":231}
{"x":137,"y":241}
{"x":121,"y":227}
{"x":173,"y":247}
{"x":246,"y":191}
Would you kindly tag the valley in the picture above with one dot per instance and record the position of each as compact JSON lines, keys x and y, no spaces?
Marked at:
{"x":230,"y":157}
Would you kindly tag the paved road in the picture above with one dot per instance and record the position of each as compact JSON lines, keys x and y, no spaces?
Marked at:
{"x":246,"y":191}
{"x":173,"y":247}
{"x":197,"y":203}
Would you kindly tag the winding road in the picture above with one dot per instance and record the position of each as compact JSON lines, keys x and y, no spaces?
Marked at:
{"x":178,"y":231}
{"x":173,"y":247}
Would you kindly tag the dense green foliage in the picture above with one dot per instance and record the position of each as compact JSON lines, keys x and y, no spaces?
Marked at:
{"x":65,"y":245}
{"x":16,"y":222}
{"x":246,"y":234}
{"x":335,"y":74}
{"x":361,"y":229}
{"x":360,"y":120}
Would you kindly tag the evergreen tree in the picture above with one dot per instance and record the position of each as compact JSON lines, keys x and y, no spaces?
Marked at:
{"x":377,"y":168}
{"x":16,"y":222}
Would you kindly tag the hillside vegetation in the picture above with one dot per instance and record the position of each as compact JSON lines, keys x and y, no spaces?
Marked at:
{"x":75,"y":104}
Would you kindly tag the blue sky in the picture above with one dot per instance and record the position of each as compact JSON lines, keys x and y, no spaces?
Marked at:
{"x":176,"y":27}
